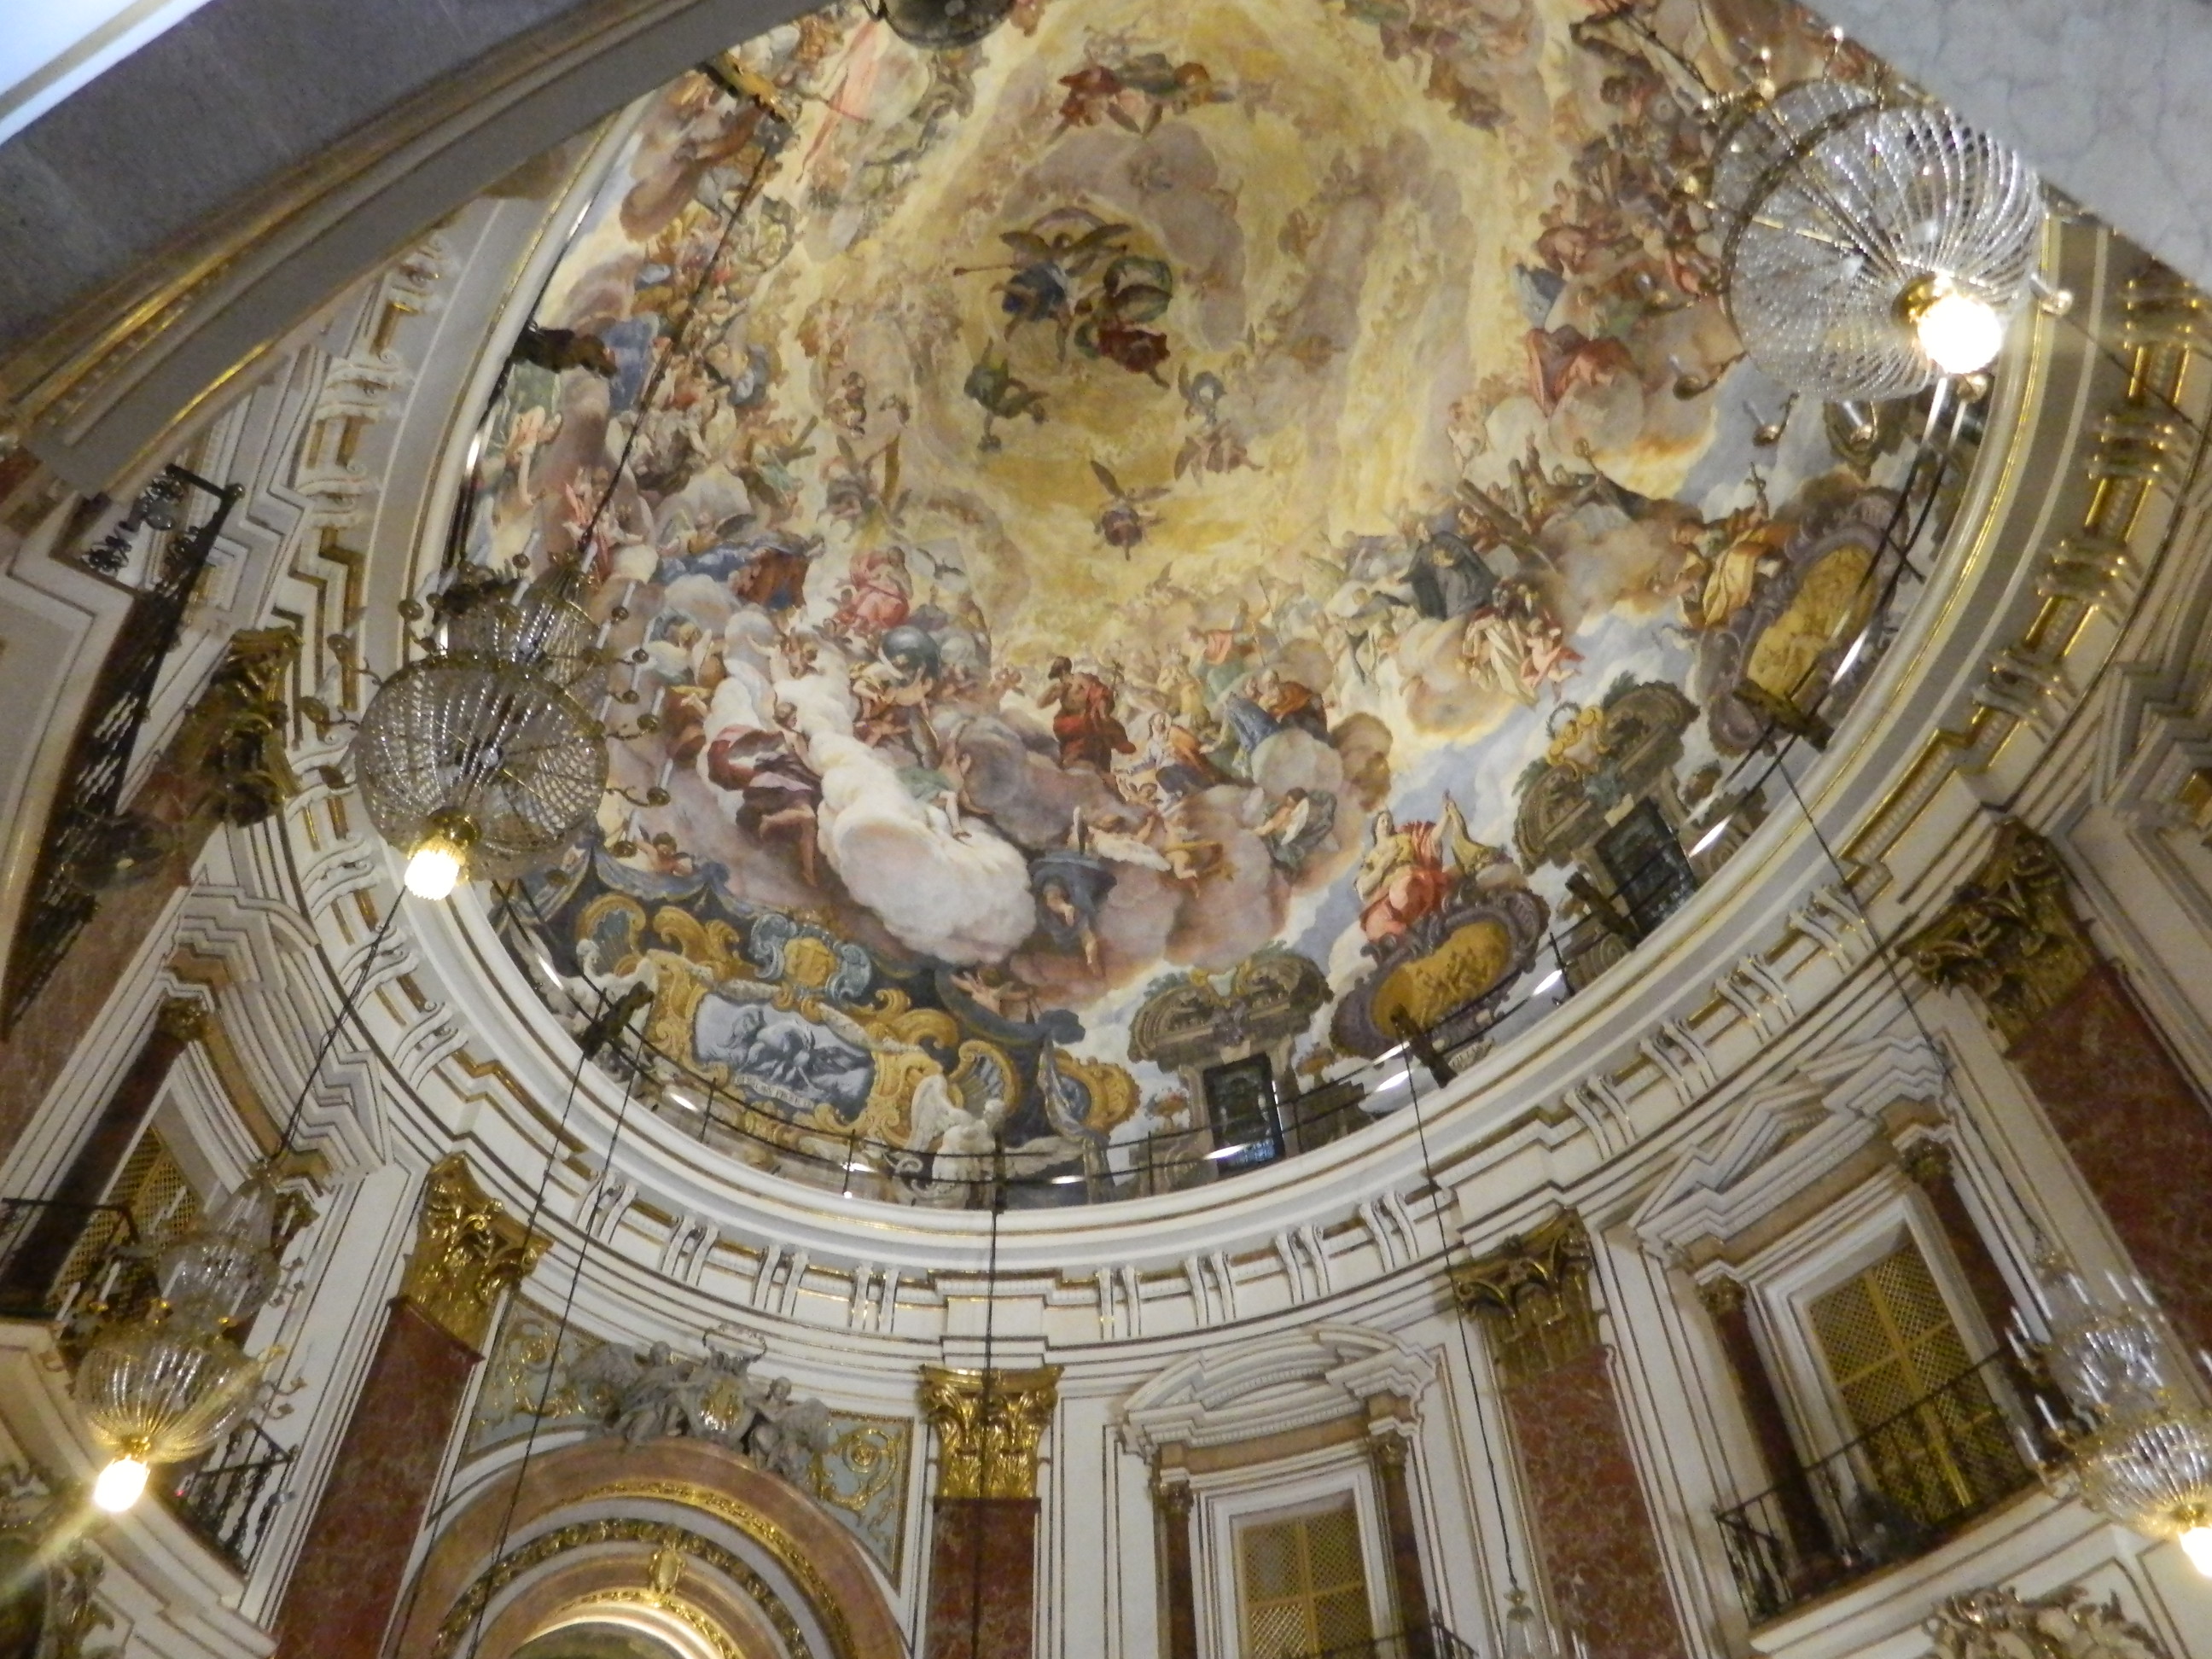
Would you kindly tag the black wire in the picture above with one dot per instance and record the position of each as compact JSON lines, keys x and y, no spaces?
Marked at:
{"x":1885,"y":949}
{"x":1459,"y":1323}
{"x":676,"y":343}
{"x":530,"y":1222}
{"x":983,"y":1459}
{"x":347,"y":1005}
{"x":560,"y":1326}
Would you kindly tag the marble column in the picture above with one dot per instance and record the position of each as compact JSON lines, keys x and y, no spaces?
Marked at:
{"x":467,"y":1251}
{"x":1387,"y":1444}
{"x":47,"y":1243}
{"x":1171,"y":1503}
{"x":2114,"y":1093}
{"x":1814,"y":1550}
{"x":1591,"y":1527}
{"x":983,"y":1524}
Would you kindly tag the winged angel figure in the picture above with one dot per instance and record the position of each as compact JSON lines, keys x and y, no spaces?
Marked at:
{"x":956,"y":1124}
{"x":659,"y":1394}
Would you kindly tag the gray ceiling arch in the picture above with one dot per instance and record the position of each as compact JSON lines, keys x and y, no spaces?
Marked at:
{"x":188,"y":208}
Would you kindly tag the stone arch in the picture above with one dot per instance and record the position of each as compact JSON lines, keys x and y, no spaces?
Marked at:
{"x":691,"y":1487}
{"x":603,"y":1581}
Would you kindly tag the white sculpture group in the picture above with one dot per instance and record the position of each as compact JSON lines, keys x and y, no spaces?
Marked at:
{"x":659,"y":1394}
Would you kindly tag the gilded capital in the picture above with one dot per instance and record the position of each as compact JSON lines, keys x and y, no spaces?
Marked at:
{"x":989,"y":1425}
{"x":1927,"y":1163}
{"x":1721,"y":1295}
{"x":1532,"y":1294}
{"x":2009,"y":935}
{"x":1173,"y":1498}
{"x":467,"y":1250}
{"x":183,"y":1019}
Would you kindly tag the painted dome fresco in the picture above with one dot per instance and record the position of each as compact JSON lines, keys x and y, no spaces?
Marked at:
{"x":1159,"y":553}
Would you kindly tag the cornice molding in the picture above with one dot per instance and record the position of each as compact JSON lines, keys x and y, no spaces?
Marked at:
{"x":1271,"y":1386}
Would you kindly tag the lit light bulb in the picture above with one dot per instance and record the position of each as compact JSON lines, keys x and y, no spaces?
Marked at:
{"x":121,"y":1483}
{"x":1960,"y":332}
{"x":435,"y":869}
{"x":2198,"y":1541}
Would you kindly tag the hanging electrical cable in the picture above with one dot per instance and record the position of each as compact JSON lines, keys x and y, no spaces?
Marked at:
{"x":482,"y":757}
{"x":1527,"y":1634}
{"x":610,"y":1026}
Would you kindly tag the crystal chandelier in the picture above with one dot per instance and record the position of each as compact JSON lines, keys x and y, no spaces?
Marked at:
{"x":166,"y":1384}
{"x":1529,"y":1635}
{"x":1870,"y":246}
{"x":481,"y":758}
{"x":2138,"y":1445}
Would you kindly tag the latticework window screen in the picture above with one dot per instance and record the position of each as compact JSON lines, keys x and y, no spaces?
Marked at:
{"x":1304,"y":1584}
{"x":162,"y":1204}
{"x":151,"y":1186}
{"x":1930,"y":1435}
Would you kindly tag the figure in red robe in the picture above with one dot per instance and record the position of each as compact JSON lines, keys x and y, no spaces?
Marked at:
{"x":877,"y":595}
{"x":1084,"y":725}
{"x":1401,"y":878}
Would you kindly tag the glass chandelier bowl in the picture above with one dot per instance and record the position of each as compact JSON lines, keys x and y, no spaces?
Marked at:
{"x":482,"y":759}
{"x":2139,"y":1449}
{"x":222,"y":1272}
{"x":543,"y":628}
{"x":166,"y":1384}
{"x":1870,"y":246}
{"x":159,"y":1390}
{"x":944,"y":25}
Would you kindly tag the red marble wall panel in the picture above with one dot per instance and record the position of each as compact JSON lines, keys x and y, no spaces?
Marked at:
{"x":982,"y":1578}
{"x":2137,"y":1131}
{"x":350,"y":1572}
{"x":39,"y":1047}
{"x":1601,"y":1558}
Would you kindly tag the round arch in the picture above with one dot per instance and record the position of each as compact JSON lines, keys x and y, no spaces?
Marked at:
{"x":578,"y":1486}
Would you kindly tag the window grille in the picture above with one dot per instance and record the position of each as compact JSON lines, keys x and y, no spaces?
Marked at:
{"x":1304,"y":1584}
{"x":1893,"y":1353}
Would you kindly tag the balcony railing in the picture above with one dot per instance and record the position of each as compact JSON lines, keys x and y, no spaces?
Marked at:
{"x":72,"y":1265}
{"x":1914,"y":1479}
{"x":228,"y":1497}
{"x":91,"y":842}
{"x":1433,"y":1640}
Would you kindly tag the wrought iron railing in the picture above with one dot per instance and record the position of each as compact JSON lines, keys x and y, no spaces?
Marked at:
{"x":1914,"y":1479}
{"x":228,"y":1497}
{"x":91,"y":842}
{"x":1434,"y":1640}
{"x":72,"y":1265}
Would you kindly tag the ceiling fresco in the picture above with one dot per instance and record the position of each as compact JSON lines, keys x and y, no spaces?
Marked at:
{"x":1179,"y":510}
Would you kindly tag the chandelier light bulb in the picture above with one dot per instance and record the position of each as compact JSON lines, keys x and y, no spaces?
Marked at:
{"x":122,"y":1481}
{"x":433,"y":872}
{"x":1961,"y":332}
{"x":2197,"y":1541}
{"x":439,"y":862}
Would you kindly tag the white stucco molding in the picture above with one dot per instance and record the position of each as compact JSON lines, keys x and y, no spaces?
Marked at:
{"x":1290,"y":1380}
{"x":1786,"y":1137}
